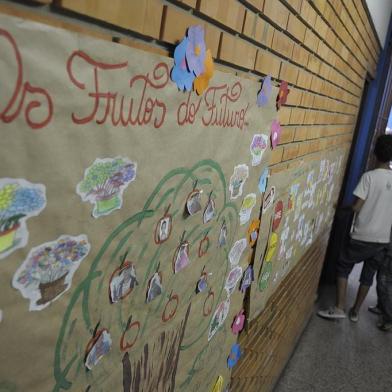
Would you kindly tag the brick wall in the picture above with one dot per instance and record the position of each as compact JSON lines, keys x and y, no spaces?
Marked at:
{"x":323,"y":48}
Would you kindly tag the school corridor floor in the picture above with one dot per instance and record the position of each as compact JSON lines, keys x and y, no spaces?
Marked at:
{"x":341,"y":356}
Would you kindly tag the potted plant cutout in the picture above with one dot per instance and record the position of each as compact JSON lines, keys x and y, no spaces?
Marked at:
{"x":19,"y":200}
{"x":47,"y":272}
{"x":163,"y":228}
{"x":104,"y":183}
{"x":122,"y":281}
{"x":97,"y":347}
{"x":181,"y":255}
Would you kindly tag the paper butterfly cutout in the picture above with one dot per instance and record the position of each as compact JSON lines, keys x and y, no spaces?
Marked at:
{"x":265,"y":92}
{"x":235,"y":355}
{"x":276,"y":131}
{"x":281,"y":98}
{"x":180,"y":73}
{"x":238,"y":323}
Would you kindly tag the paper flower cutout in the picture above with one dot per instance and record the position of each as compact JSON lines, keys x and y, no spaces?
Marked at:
{"x":276,"y":130}
{"x":264,"y":95}
{"x":238,"y":323}
{"x":235,"y":355}
{"x":201,"y":82}
{"x":180,"y":73}
{"x":195,"y":50}
{"x":284,"y":91}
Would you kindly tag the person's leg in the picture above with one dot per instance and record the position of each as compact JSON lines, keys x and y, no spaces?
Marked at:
{"x":341,"y":290}
{"x":361,"y":295}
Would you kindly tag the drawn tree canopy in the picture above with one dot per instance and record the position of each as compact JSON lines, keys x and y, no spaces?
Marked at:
{"x":178,"y":318}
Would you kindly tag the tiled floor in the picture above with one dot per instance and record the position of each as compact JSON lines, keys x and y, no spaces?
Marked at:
{"x":341,"y":356}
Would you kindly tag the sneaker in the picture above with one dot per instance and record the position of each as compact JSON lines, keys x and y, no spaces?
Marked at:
{"x":386,"y":327}
{"x":353,"y":315}
{"x":374,"y":309}
{"x":332,"y":313}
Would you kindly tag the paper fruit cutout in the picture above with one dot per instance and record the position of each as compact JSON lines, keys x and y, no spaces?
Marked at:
{"x":154,"y":287}
{"x":232,"y":279}
{"x":163,"y":228}
{"x":195,"y":51}
{"x":246,"y":208}
{"x":193,"y":205}
{"x":238,"y":323}
{"x":180,"y":73}
{"x":222,"y":235}
{"x":201,"y":82}
{"x":181,"y":257}
{"x":257,"y":147}
{"x":269,"y":199}
{"x":263,"y":180}
{"x":276,"y":131}
{"x":97,"y":348}
{"x":122,"y":281}
{"x":278,"y":215}
{"x":264,"y":95}
{"x":235,"y":355}
{"x":237,"y":180}
{"x":271,"y":248}
{"x":203,"y":246}
{"x":281,"y":98}
{"x":236,"y":251}
{"x":209,"y":211}
{"x":104,"y":183}
{"x":47,"y":272}
{"x":253,"y":232}
{"x":219,"y":317}
{"x":265,"y":276}
{"x":247,"y":278}
{"x":19,"y":201}
{"x":202,"y":284}
{"x":218,"y":386}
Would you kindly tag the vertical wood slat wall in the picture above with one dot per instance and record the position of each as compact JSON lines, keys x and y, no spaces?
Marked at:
{"x":323,"y":48}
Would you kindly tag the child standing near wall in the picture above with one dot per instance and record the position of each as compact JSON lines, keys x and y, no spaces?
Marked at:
{"x":371,"y":233}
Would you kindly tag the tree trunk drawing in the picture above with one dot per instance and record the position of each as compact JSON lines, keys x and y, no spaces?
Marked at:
{"x":156,"y":368}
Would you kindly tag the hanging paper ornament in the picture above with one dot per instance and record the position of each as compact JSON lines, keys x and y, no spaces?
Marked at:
{"x":154,"y":287}
{"x":195,"y":51}
{"x":281,"y":98}
{"x":98,"y":346}
{"x":238,"y":323}
{"x":201,"y":82}
{"x":181,"y":256}
{"x":265,"y":92}
{"x":163,"y":228}
{"x":193,"y":205}
{"x":222,"y":235}
{"x":276,"y":131}
{"x":202,"y":284}
{"x":180,"y":73}
{"x":235,"y":355}
{"x":122,"y":281}
{"x":209,"y":211}
{"x":247,"y":278}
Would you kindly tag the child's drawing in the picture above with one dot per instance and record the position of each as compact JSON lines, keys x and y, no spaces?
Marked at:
{"x":247,"y":279}
{"x":269,"y":199}
{"x":104,"y":183}
{"x":246,"y":208}
{"x":19,"y":200}
{"x":163,"y":229}
{"x":209,"y":211}
{"x":236,"y":251}
{"x":264,"y":95}
{"x":219,"y":317}
{"x":263,"y":180}
{"x":181,"y":257}
{"x":257,"y":147}
{"x":237,"y":180}
{"x":232,"y":279}
{"x":154,"y":287}
{"x":48,"y":269}
{"x":193,"y":205}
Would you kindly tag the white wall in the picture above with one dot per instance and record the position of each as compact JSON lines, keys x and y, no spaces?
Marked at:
{"x":380,"y":10}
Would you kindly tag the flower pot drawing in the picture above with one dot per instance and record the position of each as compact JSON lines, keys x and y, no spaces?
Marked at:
{"x":51,"y":290}
{"x":104,"y":206}
{"x":7,"y":238}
